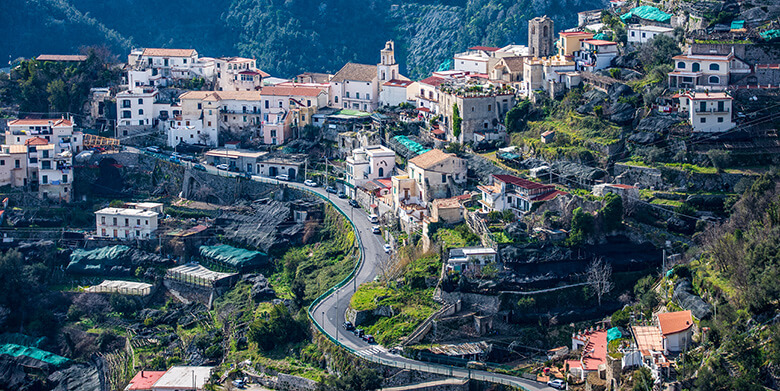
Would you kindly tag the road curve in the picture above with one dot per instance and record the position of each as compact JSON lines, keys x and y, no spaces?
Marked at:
{"x":328,"y":313}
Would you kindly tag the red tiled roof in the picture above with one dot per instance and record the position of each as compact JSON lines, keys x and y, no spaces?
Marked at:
{"x":595,"y":351}
{"x":520,"y":182}
{"x":674,"y":322}
{"x":36,"y":141}
{"x":158,"y":52}
{"x":424,"y":109}
{"x":433,"y":81}
{"x":40,"y":122}
{"x":144,"y":380}
{"x":549,"y":196}
{"x":398,"y":83}
{"x":291,"y":91}
{"x":767,"y":66}
{"x":570,"y":33}
{"x":599,"y":42}
{"x":388,"y":183}
{"x":621,"y":186}
{"x":485,"y":48}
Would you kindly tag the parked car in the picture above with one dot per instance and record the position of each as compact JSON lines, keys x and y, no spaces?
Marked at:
{"x":358,"y":332}
{"x":348,"y":326}
{"x":353,"y":203}
{"x":373,"y":218}
{"x":369,"y":338}
{"x":283,"y":177}
{"x":388,"y":248}
{"x":396,"y":350}
{"x":239,"y":383}
{"x":223,"y":167}
{"x":153,"y":149}
{"x":174,"y":159}
{"x":342,"y":194}
{"x":331,"y":190}
{"x":310,"y":183}
{"x":199,"y":167}
{"x":375,"y":230}
{"x":188,"y":158}
{"x":558,"y":384}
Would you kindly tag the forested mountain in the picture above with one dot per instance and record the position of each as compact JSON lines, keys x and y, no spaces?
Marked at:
{"x":286,"y":36}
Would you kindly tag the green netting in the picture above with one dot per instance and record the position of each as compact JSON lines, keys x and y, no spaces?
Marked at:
{"x":602,"y":36}
{"x":613,"y":334}
{"x":770,"y":34}
{"x":647,"y":12}
{"x":445,"y":66}
{"x":231,"y":256}
{"x":88,"y":261}
{"x":34,"y":353}
{"x":21,"y":339}
{"x":737,"y":24}
{"x":411,"y":145}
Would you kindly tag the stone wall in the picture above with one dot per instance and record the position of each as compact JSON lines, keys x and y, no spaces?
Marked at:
{"x":206,"y":187}
{"x":488,"y":304}
{"x":644,"y":177}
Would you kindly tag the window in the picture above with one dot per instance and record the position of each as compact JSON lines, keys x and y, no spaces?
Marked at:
{"x":714,"y":67}
{"x":102,"y":219}
{"x":695,"y":67}
{"x":200,"y":106}
{"x":64,"y":179}
{"x":721,"y":106}
{"x":347,"y":94}
{"x":720,"y":119}
{"x":714,"y":80}
{"x":703,"y":120}
{"x":336,"y":99}
{"x":17,"y":163}
{"x":357,"y":95}
{"x":266,"y":103}
{"x":44,"y":179}
{"x":702,"y":106}
{"x":126,"y":114}
{"x":138,"y":222}
{"x":127,"y":222}
{"x":644,"y":35}
{"x":280,"y":104}
{"x":443,"y":178}
{"x":2,"y":162}
{"x":140,"y":122}
{"x":308,"y":103}
{"x":490,"y":107}
{"x":381,"y":172}
{"x":368,"y":96}
{"x":126,"y":103}
{"x":140,"y":111}
{"x":633,"y":33}
{"x":140,"y":101}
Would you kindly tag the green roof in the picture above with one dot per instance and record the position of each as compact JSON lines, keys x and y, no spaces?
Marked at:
{"x":356,"y":113}
{"x":737,"y":24}
{"x":15,"y":350}
{"x":411,"y":145}
{"x":647,"y":12}
{"x":231,"y":256}
{"x":602,"y":36}
{"x":97,"y":260}
{"x":770,"y":34}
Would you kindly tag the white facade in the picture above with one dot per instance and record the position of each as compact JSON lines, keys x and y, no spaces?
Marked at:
{"x":638,"y":34}
{"x":139,"y":110}
{"x":170,"y":64}
{"x":124,"y":223}
{"x":55,"y":172}
{"x":432,"y":172}
{"x":710,"y":71}
{"x":708,"y":112}
{"x":395,"y":92}
{"x":470,"y":258}
{"x":238,"y":74}
{"x":56,"y":131}
{"x":369,"y":163}
{"x":595,"y":54}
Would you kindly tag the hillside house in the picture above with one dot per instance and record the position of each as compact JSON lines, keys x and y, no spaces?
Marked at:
{"x":676,"y":330}
{"x":595,"y":54}
{"x":707,"y":71}
{"x":708,"y":112}
{"x":428,"y":96}
{"x":482,"y":112}
{"x":238,"y":74}
{"x":167,"y":65}
{"x":57,"y":131}
{"x":508,"y":69}
{"x":435,"y":174}
{"x":125,"y":223}
{"x":470,"y":259}
{"x":508,"y":192}
{"x":368,"y":163}
{"x":638,"y":34}
{"x":592,"y":345}
{"x":395,"y":91}
{"x":568,"y":42}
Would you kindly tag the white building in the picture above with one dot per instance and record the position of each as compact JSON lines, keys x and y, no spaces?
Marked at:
{"x":164,"y":65}
{"x":676,"y":329}
{"x":706,"y":71}
{"x":125,"y":223}
{"x":139,"y":110}
{"x":470,"y":258}
{"x":477,"y":59}
{"x":595,"y":54}
{"x":369,"y":163}
{"x":429,"y":176}
{"x":55,"y":172}
{"x":394,"y":92}
{"x":238,"y":74}
{"x":355,"y":86}
{"x":508,"y":192}
{"x":56,"y":131}
{"x":184,"y":379}
{"x":428,"y":95}
{"x":638,"y":34}
{"x":707,"y":111}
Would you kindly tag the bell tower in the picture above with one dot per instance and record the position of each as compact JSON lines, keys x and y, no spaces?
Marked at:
{"x":387,"y":69}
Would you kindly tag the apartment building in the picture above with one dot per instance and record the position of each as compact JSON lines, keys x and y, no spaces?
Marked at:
{"x":568,"y":42}
{"x":126,"y":223}
{"x":167,"y":65}
{"x":707,"y":71}
{"x":369,"y":163}
{"x":59,"y":132}
{"x":429,"y":176}
{"x":238,"y":74}
{"x":355,"y":86}
{"x":708,"y":112}
{"x":595,"y":54}
{"x":428,"y":95}
{"x":638,"y":34}
{"x":482,"y":112}
{"x":508,"y":192}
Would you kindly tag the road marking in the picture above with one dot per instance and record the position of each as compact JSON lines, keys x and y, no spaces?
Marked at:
{"x":373,"y":350}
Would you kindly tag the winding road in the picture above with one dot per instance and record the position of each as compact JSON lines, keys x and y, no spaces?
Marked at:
{"x":329,"y":313}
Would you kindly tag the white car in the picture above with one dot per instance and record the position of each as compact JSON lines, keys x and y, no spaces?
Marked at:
{"x":223,"y":167}
{"x":283,"y":177}
{"x":558,"y":384}
{"x":310,"y":183}
{"x":388,"y":248}
{"x":375,"y":230}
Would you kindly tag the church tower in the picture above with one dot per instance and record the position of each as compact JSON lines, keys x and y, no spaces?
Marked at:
{"x":540,"y":36}
{"x":387,"y":69}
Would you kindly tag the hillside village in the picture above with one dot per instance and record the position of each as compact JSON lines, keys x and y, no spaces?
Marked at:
{"x":594,"y":209}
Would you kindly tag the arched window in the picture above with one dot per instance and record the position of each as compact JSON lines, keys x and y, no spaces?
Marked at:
{"x":533,"y":30}
{"x":544,"y":33}
{"x":714,"y":80}
{"x":695,"y":67}
{"x":381,"y":172}
{"x":681,"y":65}
{"x":714,"y":67}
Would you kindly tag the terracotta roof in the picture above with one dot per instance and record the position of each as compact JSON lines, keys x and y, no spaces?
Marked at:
{"x":548,"y":196}
{"x":515,"y":64}
{"x":144,"y":380}
{"x":674,"y":322}
{"x":453,"y":202}
{"x":597,"y":351}
{"x":17,"y":149}
{"x":355,"y":72}
{"x":599,"y":42}
{"x":430,"y":158}
{"x":157,"y":52}
{"x":238,"y":95}
{"x":621,"y":186}
{"x":196,"y":94}
{"x":706,"y":95}
{"x":433,"y":81}
{"x":291,"y":91}
{"x":574,"y":33}
{"x":520,"y":182}
{"x":485,"y":48}
{"x":710,"y":57}
{"x":40,"y":122}
{"x":62,"y":57}
{"x":36,"y":141}
{"x":398,"y":83}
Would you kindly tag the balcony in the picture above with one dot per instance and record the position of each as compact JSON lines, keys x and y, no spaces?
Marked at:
{"x":712,"y":111}
{"x":239,"y":112}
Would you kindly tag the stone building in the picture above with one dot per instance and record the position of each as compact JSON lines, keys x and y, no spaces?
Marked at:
{"x":540,"y":33}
